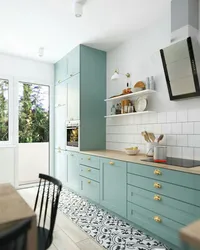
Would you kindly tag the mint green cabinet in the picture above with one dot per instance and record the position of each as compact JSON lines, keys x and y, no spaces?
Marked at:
{"x":61,"y":70}
{"x":89,"y":188}
{"x":73,"y":97}
{"x":113,"y":185}
{"x":73,"y":171}
{"x":61,"y":168}
{"x":73,"y":58}
{"x":61,"y":94}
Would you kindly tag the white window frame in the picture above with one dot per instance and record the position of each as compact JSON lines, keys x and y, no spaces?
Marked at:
{"x":10,"y":141}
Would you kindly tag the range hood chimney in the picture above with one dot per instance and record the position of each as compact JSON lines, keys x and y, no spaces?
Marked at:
{"x":184,"y":19}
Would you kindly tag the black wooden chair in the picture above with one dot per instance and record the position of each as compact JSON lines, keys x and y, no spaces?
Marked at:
{"x":48,"y":192}
{"x":15,"y":238}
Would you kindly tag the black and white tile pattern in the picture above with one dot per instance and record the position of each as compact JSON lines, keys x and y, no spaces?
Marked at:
{"x":108,"y":230}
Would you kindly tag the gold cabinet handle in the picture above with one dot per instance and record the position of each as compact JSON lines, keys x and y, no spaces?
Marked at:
{"x":157,"y":172}
{"x":157,"y":198}
{"x":157,"y":185}
{"x":111,"y":163}
{"x":89,"y":182}
{"x":89,"y":169}
{"x":157,"y":219}
{"x":89,"y":158}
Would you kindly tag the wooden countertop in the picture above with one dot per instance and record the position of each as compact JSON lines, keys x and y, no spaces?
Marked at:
{"x":122,"y":156}
{"x":190,"y":234}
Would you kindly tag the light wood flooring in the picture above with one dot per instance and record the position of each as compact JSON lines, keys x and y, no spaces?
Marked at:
{"x":67,"y":235}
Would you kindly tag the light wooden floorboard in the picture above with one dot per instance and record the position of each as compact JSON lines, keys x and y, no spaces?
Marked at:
{"x":67,"y":235}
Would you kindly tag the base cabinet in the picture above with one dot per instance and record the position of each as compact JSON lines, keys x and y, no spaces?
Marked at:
{"x":89,"y":189}
{"x":113,"y":185}
{"x":61,"y":170}
{"x":73,"y":171}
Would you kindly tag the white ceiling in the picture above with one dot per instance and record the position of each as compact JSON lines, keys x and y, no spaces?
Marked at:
{"x":26,"y":25}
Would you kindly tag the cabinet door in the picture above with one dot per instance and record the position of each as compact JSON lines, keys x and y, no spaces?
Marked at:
{"x":73,"y":97}
{"x":61,"y":70}
{"x":60,"y":127}
{"x":73,"y":171}
{"x":73,"y":59}
{"x":113,"y":186}
{"x":61,"y":94}
{"x":61,"y":166}
{"x":89,"y":189}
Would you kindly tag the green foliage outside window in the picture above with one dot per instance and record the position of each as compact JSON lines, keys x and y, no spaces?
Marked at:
{"x":4,"y":110}
{"x":33,"y":115}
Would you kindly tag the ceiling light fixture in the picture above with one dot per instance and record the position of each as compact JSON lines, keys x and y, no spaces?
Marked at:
{"x":78,"y":7}
{"x":41,"y":52}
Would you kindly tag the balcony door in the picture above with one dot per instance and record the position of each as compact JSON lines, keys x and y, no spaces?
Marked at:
{"x":33,"y":131}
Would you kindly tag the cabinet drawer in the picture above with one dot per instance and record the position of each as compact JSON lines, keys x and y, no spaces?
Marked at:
{"x":89,"y":189}
{"x":113,"y":162}
{"x":88,"y":160}
{"x":178,"y":211}
{"x":171,"y":176}
{"x":177,"y":192}
{"x":165,"y":229}
{"x":89,"y":172}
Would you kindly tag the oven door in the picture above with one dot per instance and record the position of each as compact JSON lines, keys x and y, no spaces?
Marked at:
{"x":72,"y":136}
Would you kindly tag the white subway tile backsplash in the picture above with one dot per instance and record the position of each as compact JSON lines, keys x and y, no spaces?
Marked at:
{"x":171,"y":140}
{"x":194,"y":141}
{"x":182,"y":116}
{"x":197,"y":128}
{"x":182,"y":140}
{"x":162,"y":117}
{"x":157,"y":129}
{"x":188,"y":128}
{"x":187,"y":153}
{"x":181,"y":131}
{"x":194,"y":115}
{"x":176,"y":152}
{"x":197,"y":154}
{"x":176,"y":128}
{"x":166,"y":128}
{"x":171,"y":117}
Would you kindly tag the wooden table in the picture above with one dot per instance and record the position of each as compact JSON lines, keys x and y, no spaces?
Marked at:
{"x":13,"y":209}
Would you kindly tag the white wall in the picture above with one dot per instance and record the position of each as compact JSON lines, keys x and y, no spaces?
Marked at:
{"x":22,"y":69}
{"x":140,"y":57}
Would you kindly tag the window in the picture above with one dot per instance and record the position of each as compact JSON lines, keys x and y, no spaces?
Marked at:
{"x":33,"y":113}
{"x":4,"y":109}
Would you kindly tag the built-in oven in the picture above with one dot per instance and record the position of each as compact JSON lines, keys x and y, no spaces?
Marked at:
{"x":72,"y":135}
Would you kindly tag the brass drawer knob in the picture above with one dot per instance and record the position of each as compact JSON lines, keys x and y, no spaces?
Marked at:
{"x":157,"y":185}
{"x":89,"y":182}
{"x":89,"y":169}
{"x":157,"y":172}
{"x":89,"y":158}
{"x":157,"y":219}
{"x":157,"y":198}
{"x":111,"y":163}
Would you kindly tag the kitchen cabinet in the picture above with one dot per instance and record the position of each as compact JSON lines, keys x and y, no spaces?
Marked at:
{"x":73,"y":58}
{"x":61,"y":168}
{"x":61,"y":70}
{"x":89,"y":188}
{"x":73,"y":97}
{"x":113,"y":185}
{"x":60,"y":127}
{"x":61,"y":94}
{"x":73,"y":171}
{"x":85,"y":77}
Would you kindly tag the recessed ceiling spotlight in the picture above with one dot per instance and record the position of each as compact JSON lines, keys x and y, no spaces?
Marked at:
{"x":78,"y":7}
{"x":41,"y":51}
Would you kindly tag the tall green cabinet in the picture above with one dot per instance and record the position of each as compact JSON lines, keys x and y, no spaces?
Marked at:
{"x":80,"y":80}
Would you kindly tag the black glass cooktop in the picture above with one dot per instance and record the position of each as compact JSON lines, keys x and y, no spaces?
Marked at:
{"x":185,"y":163}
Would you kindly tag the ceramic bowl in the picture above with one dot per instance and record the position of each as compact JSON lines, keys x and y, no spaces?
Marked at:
{"x":131,"y":151}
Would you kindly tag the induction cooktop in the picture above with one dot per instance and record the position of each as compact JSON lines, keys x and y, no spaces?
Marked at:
{"x":185,"y":163}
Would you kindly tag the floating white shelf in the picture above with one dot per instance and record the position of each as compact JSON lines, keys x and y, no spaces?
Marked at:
{"x":135,"y":94}
{"x":128,"y":114}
